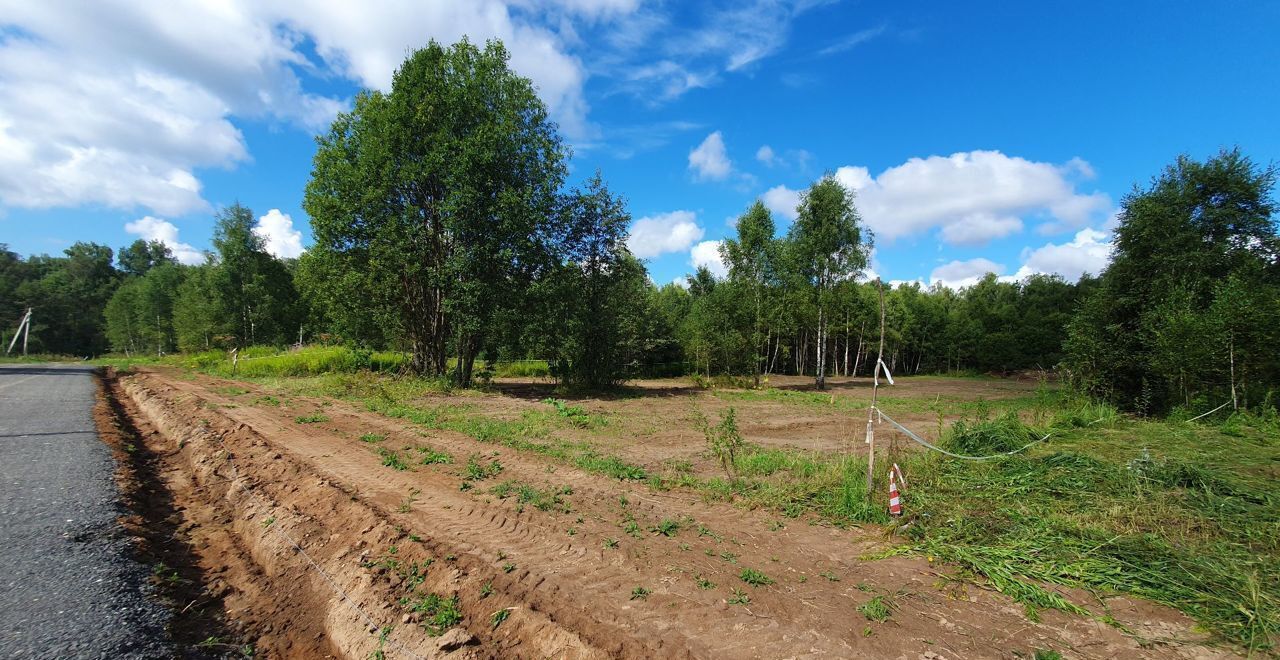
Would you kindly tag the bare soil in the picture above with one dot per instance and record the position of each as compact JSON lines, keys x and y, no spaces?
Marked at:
{"x":291,"y":527}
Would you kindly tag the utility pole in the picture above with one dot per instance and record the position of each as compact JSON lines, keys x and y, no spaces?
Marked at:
{"x":24,"y":329}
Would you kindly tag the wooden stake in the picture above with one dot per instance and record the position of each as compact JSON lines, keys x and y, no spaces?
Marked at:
{"x":875,"y":396}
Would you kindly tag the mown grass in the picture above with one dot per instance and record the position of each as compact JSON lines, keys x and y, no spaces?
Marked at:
{"x":1179,"y":514}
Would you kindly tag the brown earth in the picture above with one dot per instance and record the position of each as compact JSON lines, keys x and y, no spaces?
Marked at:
{"x":292,"y":528}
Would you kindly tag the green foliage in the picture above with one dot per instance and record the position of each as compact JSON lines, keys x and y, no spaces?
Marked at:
{"x":439,"y":613}
{"x":755,"y":578}
{"x":640,"y":593}
{"x":725,"y":442}
{"x":1186,"y":310}
{"x":433,"y":204}
{"x":313,"y":418}
{"x":877,"y":609}
{"x":543,"y":499}
{"x":392,"y":459}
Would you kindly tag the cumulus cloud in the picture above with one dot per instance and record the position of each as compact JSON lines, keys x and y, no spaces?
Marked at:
{"x":707,"y":253}
{"x":782,"y":201}
{"x":709,"y":160}
{"x":972,"y":197}
{"x":120,"y":104}
{"x":1088,"y":252}
{"x":154,"y":229}
{"x":765,"y":154}
{"x":278,"y":235}
{"x":659,"y":234}
{"x":960,"y":274}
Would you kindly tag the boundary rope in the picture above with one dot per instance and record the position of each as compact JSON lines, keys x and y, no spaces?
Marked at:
{"x":926,"y":443}
{"x":1209,"y":413}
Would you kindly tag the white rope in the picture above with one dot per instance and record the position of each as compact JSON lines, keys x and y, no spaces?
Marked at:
{"x":938,"y":449}
{"x":333,"y":584}
{"x":1210,"y":412}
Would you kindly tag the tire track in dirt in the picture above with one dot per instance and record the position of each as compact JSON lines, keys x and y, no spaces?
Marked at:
{"x":582,"y":588}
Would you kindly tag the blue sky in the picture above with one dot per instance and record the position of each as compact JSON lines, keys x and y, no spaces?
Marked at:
{"x":977,"y":136}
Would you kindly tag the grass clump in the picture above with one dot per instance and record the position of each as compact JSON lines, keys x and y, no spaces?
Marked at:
{"x":667,"y":527}
{"x":877,"y":609}
{"x":313,"y":418}
{"x":543,"y":499}
{"x":392,"y":459}
{"x":372,"y":437}
{"x":755,"y":578}
{"x":438,"y":613}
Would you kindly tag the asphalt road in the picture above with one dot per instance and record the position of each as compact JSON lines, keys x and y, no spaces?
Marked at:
{"x":68,"y":588}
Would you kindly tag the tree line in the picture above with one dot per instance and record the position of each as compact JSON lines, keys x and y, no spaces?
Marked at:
{"x":443,"y":228}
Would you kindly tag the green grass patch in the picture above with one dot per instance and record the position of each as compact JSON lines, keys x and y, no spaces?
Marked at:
{"x":314,"y":418}
{"x":543,"y":499}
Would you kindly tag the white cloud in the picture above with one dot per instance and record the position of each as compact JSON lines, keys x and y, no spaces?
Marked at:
{"x":960,"y":274}
{"x":659,"y":234}
{"x":120,"y":104}
{"x":154,"y":229}
{"x":979,"y":228}
{"x":972,"y":197}
{"x":278,"y":235}
{"x":709,"y":160}
{"x":707,"y":253}
{"x":1088,"y":252}
{"x":782,"y":201}
{"x":765,"y":155}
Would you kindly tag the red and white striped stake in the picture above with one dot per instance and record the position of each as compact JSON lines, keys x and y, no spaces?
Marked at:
{"x":895,"y":502}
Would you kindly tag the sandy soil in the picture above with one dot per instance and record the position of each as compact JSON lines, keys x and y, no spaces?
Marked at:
{"x":291,"y":525}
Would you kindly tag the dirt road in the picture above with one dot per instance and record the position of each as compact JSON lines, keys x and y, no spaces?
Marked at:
{"x":69,"y":587}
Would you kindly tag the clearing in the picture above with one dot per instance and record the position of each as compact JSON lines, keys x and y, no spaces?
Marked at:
{"x":362,"y":515}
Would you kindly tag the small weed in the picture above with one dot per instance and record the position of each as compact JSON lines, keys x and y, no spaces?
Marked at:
{"x":392,"y":459}
{"x":739,"y":597}
{"x":755,"y":578}
{"x":776,"y":525}
{"x":632,"y":528}
{"x":313,"y":418}
{"x":498,"y":617}
{"x":1047,"y":654}
{"x":508,"y":567}
{"x":611,"y":543}
{"x":729,"y":557}
{"x":640,"y":593}
{"x":432,"y":457}
{"x":486,"y":590}
{"x":439,"y":613}
{"x":268,"y":400}
{"x":830,"y":576}
{"x":704,"y":583}
{"x":372,"y":437}
{"x":667,"y":527}
{"x":876,"y":609}
{"x":476,"y":470}
{"x":271,"y":520}
{"x":684,"y":547}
